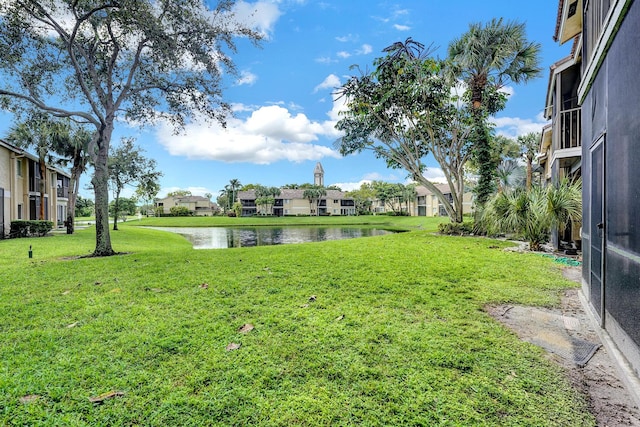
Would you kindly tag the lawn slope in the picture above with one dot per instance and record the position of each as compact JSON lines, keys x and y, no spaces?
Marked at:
{"x":383,"y":330}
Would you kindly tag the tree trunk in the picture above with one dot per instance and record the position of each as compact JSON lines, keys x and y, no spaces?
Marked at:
{"x":71,"y":203}
{"x":74,"y":187}
{"x":529,"y":173}
{"x":43,"y":187}
{"x":116,"y":211}
{"x":101,"y":192}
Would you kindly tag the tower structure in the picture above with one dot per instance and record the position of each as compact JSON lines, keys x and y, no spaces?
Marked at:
{"x":318,"y":175}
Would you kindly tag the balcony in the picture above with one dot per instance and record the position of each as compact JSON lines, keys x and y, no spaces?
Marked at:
{"x":569,"y":129}
{"x":567,"y":139}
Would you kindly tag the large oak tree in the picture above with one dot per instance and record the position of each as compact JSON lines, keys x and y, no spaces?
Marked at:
{"x":100,"y":61}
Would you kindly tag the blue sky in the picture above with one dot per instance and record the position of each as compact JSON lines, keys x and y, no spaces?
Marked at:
{"x":283,"y":99}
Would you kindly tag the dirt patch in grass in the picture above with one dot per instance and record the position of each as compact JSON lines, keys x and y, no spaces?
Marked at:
{"x":609,"y":401}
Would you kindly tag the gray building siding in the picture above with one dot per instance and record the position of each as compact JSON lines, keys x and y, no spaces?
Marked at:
{"x":611,"y":117}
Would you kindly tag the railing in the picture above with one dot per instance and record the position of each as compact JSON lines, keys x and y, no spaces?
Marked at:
{"x":569,"y":132}
{"x":595,"y":13}
{"x":63,"y":192}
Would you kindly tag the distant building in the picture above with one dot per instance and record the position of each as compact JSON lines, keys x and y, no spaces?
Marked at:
{"x":426,"y":203}
{"x":197,"y":205}
{"x":20,"y":189}
{"x":293,"y":203}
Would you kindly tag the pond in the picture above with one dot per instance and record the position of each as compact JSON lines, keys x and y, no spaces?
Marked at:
{"x":234,"y":237}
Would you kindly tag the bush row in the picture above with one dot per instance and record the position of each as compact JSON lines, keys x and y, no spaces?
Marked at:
{"x":26,"y":228}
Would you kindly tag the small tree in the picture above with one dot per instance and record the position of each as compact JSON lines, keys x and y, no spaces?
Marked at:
{"x":84,"y":207}
{"x":128,"y":167}
{"x":124,"y":206}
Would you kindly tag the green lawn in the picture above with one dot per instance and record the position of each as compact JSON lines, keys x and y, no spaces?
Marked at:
{"x":396,"y":334}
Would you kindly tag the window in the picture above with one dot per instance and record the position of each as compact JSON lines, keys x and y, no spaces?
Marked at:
{"x":19,"y":210}
{"x":19,"y":167}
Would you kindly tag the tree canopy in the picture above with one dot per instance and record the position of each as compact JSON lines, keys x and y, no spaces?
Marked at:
{"x":487,"y":58}
{"x":128,"y":167}
{"x":107,"y":60}
{"x":404,"y":111}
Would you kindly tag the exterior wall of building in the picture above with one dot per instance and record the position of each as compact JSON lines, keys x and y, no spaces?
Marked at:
{"x":5,"y":186}
{"x":16,"y":198}
{"x":611,"y":190}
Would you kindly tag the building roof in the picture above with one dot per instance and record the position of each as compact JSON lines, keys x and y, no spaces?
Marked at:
{"x":424,"y":191}
{"x":23,"y":153}
{"x":288,"y":193}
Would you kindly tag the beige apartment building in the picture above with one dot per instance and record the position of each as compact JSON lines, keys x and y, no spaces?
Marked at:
{"x":21,"y":191}
{"x":197,"y":205}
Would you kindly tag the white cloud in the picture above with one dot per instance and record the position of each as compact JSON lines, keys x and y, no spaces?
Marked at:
{"x":365,"y":49}
{"x":195,"y":191}
{"x":270,"y":134}
{"x":348,"y":38}
{"x":401,"y":27}
{"x":513,"y":127}
{"x":343,"y":54}
{"x":261,"y":15}
{"x":331,"y":82}
{"x":246,"y":78}
{"x":435,"y":175}
{"x":325,"y":60}
{"x":350,"y":186}
{"x":508,"y":90}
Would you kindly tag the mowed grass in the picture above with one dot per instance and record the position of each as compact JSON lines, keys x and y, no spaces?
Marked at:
{"x":396,"y":334}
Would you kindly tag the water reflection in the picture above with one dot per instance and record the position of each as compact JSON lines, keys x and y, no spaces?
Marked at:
{"x":233,"y":237}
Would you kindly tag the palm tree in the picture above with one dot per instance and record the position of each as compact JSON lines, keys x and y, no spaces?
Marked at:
{"x":532,"y":214}
{"x":529,"y":144}
{"x":234,"y":185}
{"x":315,"y":193}
{"x":39,"y":132}
{"x":487,"y":58}
{"x":509,"y":174}
{"x":72,"y":146}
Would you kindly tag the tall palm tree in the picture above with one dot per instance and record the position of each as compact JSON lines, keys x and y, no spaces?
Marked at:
{"x":38,"y":132}
{"x":487,"y":58}
{"x":529,"y":144}
{"x":315,"y":193}
{"x":234,"y":185}
{"x":72,"y":146}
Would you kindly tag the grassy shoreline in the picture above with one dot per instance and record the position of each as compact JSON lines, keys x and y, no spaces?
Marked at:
{"x":395,"y":335}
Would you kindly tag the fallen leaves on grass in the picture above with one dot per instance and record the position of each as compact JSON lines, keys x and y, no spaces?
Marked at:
{"x":246,"y":328}
{"x":104,"y":396}
{"x":312,"y":298}
{"x":233,"y":346}
{"x":204,"y":286}
{"x":73,"y":325}
{"x":339,"y":318}
{"x":29,"y":398}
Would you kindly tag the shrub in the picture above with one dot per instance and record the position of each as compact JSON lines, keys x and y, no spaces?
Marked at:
{"x":180,"y":211}
{"x":25,"y":228}
{"x":455,"y":228}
